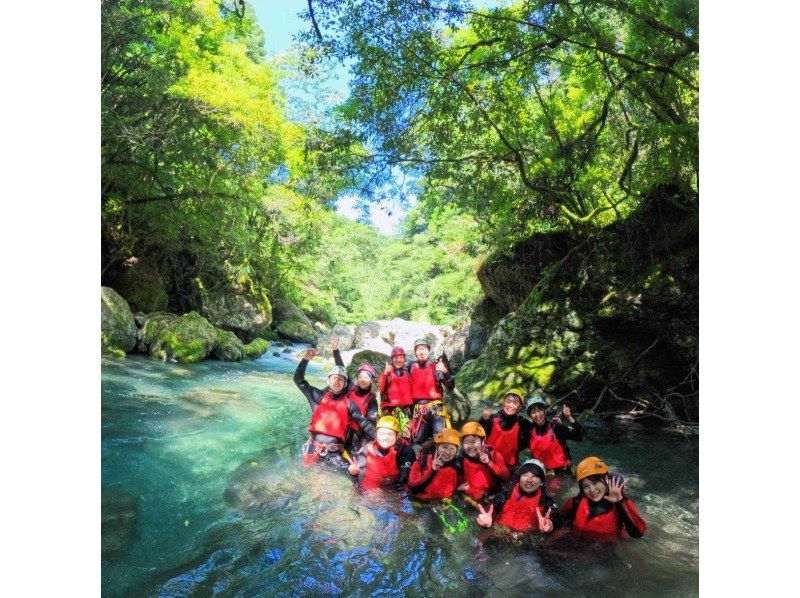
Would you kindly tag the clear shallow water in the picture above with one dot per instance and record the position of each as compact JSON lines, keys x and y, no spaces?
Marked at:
{"x":202,"y":495}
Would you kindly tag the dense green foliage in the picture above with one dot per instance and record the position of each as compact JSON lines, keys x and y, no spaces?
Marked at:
{"x":528,"y":116}
{"x":425,"y":275}
{"x":208,"y":183}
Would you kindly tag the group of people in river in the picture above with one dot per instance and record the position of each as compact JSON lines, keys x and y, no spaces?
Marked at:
{"x":373,"y":438}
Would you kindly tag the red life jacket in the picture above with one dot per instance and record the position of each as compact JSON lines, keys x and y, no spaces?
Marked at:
{"x":424,"y":384}
{"x":363,"y":404}
{"x":380,"y":470}
{"x":443,"y":484}
{"x":331,"y":416}
{"x":519,"y":511}
{"x":505,"y":442}
{"x":398,"y":391}
{"x":548,"y":449}
{"x":608,"y":523}
{"x":479,"y":477}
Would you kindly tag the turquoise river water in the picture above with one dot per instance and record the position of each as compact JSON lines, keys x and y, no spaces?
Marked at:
{"x":203,"y":495}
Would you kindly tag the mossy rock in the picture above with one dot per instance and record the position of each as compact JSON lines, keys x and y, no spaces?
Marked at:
{"x":153,"y":325}
{"x":256,"y":348}
{"x":248,"y":317}
{"x":229,"y":347}
{"x":117,"y":326}
{"x":298,"y":330}
{"x":186,"y":339}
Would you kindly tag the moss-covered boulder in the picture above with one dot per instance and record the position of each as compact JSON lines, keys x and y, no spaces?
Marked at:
{"x":117,"y":326}
{"x":187,"y":339}
{"x":246,"y":316}
{"x":291,"y":323}
{"x":605,"y":314}
{"x":228,"y":347}
{"x":256,"y":348}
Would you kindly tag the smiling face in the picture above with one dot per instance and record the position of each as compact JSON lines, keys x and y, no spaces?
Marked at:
{"x":398,"y":361}
{"x":593,"y":488}
{"x":511,"y":404}
{"x":385,"y":437}
{"x":363,"y":380}
{"x":529,"y":482}
{"x":337,"y":383}
{"x":422,"y":352}
{"x":537,"y":414}
{"x":446,"y":451}
{"x":471,"y":444}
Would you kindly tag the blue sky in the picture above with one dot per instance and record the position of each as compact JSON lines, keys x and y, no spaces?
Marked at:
{"x":280,"y":21}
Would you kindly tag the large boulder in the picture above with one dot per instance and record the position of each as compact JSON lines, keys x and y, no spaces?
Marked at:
{"x":456,"y":347}
{"x":346,"y":336}
{"x":609,"y":317}
{"x":117,"y":326}
{"x":291,"y":323}
{"x":228,"y":347}
{"x":383,"y":335}
{"x":245,"y":316}
{"x":187,"y":339}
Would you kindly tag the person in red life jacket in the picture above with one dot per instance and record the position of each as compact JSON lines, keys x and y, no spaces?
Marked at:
{"x":395,"y":384}
{"x":601,"y":507}
{"x":526,"y":507}
{"x":385,"y":461}
{"x":548,"y":438}
{"x":428,"y":380}
{"x":361,"y":393}
{"x":436,"y":474}
{"x":331,"y":415}
{"x":483,"y":467}
{"x":508,"y":430}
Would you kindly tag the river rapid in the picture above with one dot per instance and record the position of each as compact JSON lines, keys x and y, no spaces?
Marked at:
{"x":203,"y":494}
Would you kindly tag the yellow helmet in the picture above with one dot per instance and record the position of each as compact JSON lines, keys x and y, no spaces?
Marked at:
{"x":473,"y":428}
{"x":448,"y":435}
{"x":590,"y":466}
{"x":388,"y":421}
{"x":516,"y":391}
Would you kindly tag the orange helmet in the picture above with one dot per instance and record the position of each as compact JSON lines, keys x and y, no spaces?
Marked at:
{"x":448,"y":435}
{"x":590,"y":466}
{"x":473,"y":428}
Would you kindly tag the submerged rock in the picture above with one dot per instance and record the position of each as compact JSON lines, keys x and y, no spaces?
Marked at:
{"x":117,"y":326}
{"x":119,"y":512}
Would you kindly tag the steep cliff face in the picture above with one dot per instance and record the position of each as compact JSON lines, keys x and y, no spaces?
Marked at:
{"x":607,"y":316}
